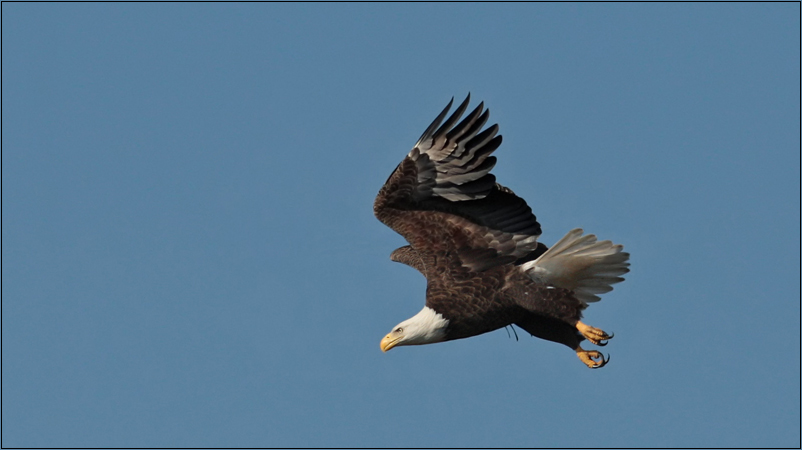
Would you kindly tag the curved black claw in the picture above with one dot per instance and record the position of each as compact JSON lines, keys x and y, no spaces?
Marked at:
{"x":604,"y":342}
{"x":602,"y":363}
{"x":592,"y":359}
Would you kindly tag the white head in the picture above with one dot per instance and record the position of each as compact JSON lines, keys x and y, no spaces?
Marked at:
{"x":425,"y":327}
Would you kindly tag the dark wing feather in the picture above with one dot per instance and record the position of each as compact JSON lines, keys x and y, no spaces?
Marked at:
{"x":443,"y":199}
{"x":411,"y":257}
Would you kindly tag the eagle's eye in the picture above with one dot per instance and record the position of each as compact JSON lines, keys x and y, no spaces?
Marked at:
{"x":399,"y":329}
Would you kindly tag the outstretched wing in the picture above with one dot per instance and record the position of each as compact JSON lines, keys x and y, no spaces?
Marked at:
{"x":443,"y":199}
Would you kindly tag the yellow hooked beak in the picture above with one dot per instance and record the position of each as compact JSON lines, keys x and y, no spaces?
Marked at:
{"x":389,"y":342}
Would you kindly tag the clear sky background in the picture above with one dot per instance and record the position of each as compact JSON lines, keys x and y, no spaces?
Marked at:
{"x":190,"y":256}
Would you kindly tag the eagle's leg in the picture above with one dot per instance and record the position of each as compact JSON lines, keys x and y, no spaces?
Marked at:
{"x":559,"y":331}
{"x":591,"y":358}
{"x":592,"y":334}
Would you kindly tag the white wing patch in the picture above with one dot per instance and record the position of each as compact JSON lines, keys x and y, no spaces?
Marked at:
{"x":581,"y":264}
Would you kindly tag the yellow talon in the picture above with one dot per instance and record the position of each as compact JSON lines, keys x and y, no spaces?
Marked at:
{"x":592,"y":358}
{"x":594,"y":335}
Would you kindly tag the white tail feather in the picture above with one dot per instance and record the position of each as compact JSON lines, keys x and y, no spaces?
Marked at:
{"x":581,"y":264}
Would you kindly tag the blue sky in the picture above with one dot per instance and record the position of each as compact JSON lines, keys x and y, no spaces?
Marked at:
{"x":190,"y":256}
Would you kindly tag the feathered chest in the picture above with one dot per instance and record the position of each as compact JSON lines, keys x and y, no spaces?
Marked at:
{"x":470,"y":301}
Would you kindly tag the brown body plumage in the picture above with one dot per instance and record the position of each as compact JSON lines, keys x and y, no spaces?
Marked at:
{"x":475,"y":241}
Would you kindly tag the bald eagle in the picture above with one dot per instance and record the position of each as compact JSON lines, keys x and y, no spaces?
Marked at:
{"x":475,"y":241}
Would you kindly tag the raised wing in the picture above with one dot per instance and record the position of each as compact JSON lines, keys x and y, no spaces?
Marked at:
{"x":443,"y":199}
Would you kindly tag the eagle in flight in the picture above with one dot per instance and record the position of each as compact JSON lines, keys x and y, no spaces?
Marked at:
{"x":475,"y":241}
